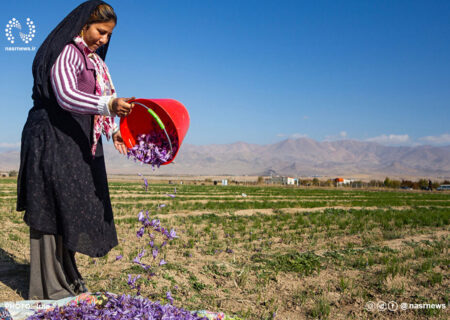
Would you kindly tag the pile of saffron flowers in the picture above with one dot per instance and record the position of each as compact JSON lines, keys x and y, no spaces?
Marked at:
{"x":153,"y":148}
{"x":117,"y":307}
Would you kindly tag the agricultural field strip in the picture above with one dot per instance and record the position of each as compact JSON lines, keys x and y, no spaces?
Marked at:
{"x":227,"y":196}
{"x":287,"y":193}
{"x":238,"y":196}
{"x":419,"y":197}
{"x":230,"y":206}
{"x":119,"y":214}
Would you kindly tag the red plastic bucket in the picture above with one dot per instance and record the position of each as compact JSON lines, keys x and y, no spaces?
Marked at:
{"x":172,"y":113}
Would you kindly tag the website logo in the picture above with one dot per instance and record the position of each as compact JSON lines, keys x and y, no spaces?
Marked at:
{"x":15,"y":24}
{"x":14,"y":27}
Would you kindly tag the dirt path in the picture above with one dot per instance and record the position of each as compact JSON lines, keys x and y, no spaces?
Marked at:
{"x":398,"y":243}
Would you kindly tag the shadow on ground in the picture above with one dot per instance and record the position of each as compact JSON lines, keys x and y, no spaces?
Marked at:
{"x":13,"y":274}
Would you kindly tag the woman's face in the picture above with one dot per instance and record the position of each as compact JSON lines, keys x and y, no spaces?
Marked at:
{"x":98,"y":34}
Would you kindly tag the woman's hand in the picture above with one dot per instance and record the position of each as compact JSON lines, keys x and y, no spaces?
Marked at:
{"x":119,"y":144}
{"x":121,"y":107}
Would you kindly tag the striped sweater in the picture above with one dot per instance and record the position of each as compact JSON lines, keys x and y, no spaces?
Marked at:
{"x":72,"y":72}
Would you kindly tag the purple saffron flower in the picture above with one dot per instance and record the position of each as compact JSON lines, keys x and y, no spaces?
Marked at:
{"x":172,"y":234}
{"x":153,"y":148}
{"x":161,"y":205}
{"x":119,"y":257}
{"x":169,"y":297}
{"x":155,"y":252}
{"x":151,"y":243}
{"x":155,"y":223}
{"x":140,"y":232}
{"x":137,"y":260}
{"x":141,"y":216}
{"x":140,"y":255}
{"x":170,"y":195}
{"x":132,"y":281}
{"x":118,"y":307}
{"x":145,"y":184}
{"x":162,"y":262}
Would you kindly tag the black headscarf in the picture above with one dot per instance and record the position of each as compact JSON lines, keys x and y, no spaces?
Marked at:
{"x":50,"y":49}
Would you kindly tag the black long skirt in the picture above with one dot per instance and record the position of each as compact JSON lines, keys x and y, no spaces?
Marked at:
{"x":61,"y":186}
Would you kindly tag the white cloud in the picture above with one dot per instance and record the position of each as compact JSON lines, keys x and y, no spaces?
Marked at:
{"x":342,"y":135}
{"x":9,"y":144}
{"x":437,"y":140}
{"x":293,"y":135}
{"x":298,"y":135}
{"x":391,"y":139}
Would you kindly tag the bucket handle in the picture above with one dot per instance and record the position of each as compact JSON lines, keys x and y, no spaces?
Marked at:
{"x":158,"y":120}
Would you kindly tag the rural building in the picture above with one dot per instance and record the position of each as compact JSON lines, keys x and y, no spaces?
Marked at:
{"x":342,"y":181}
{"x":282,"y":180}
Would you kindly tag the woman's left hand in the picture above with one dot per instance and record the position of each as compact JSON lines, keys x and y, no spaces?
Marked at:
{"x":119,"y":144}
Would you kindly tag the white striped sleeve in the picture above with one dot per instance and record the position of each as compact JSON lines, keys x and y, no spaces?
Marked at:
{"x":64,"y":82}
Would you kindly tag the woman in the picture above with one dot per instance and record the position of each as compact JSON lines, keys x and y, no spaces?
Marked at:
{"x":62,"y":183}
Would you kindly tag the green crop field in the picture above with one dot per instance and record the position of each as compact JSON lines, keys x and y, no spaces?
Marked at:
{"x":264,"y":251}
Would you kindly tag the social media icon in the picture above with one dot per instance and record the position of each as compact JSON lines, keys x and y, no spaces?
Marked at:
{"x":404,"y":306}
{"x":382,"y":306}
{"x":392,"y":306}
{"x":370,"y":306}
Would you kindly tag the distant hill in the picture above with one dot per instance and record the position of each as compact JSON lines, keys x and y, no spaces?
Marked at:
{"x":296,"y":157}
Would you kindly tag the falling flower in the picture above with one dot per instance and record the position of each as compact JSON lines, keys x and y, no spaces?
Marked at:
{"x":170,"y":195}
{"x":161,"y":205}
{"x":145,"y":184}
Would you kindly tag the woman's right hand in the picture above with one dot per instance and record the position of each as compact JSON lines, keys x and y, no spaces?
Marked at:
{"x":121,"y":107}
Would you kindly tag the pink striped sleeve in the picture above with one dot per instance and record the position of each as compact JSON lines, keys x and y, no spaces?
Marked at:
{"x":64,"y":82}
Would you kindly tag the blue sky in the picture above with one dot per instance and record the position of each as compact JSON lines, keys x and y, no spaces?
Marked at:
{"x":263,"y":71}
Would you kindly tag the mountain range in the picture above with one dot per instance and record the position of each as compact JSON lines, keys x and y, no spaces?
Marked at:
{"x":294,"y":157}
